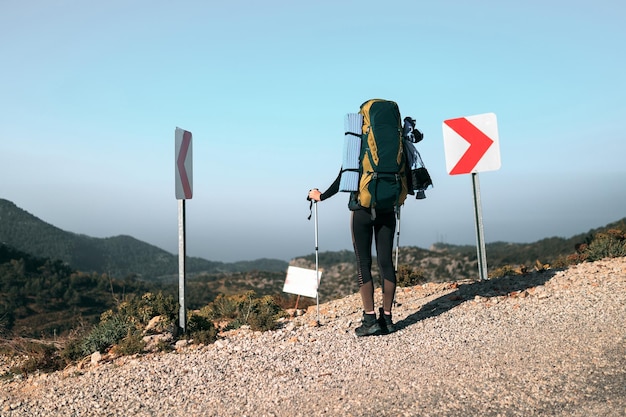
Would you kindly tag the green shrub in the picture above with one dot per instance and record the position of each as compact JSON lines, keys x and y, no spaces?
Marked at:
{"x":264,"y":314}
{"x":506,"y":270}
{"x":205,"y":337}
{"x":122,"y":326}
{"x":140,"y":310}
{"x":40,"y":357}
{"x":244,"y":309}
{"x":105,"y":334}
{"x":73,"y":350}
{"x":611,"y":244}
{"x":223,"y":307}
{"x":132,"y":344}
{"x":201,"y":329}
{"x":408,"y":276}
{"x":197,"y":322}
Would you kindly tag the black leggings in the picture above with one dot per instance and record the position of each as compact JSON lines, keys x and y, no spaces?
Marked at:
{"x":382,"y":229}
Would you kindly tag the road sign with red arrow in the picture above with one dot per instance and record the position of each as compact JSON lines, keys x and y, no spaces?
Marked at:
{"x":184,"y":180}
{"x":471,"y":144}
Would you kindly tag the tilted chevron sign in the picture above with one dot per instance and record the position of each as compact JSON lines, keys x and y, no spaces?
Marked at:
{"x":184,"y":166}
{"x":471,"y":144}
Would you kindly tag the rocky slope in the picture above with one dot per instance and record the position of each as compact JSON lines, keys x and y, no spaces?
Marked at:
{"x":542,"y":344}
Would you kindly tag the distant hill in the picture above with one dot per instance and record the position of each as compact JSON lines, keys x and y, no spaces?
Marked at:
{"x":118,"y":256}
{"x":125,"y":256}
{"x":41,"y":296}
{"x":446,"y":263}
{"x":546,"y":250}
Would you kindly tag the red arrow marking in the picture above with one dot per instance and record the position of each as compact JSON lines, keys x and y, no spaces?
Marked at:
{"x":184,"y":147}
{"x":479,"y":143}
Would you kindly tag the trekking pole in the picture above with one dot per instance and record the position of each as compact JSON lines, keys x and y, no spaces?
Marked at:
{"x":397,"y":247}
{"x":317,"y":268}
{"x":397,"y":238}
{"x":317,"y":262}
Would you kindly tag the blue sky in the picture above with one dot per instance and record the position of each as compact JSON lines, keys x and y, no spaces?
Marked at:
{"x":91,"y":93}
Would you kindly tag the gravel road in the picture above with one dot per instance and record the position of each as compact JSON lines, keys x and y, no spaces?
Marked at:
{"x":542,"y":344}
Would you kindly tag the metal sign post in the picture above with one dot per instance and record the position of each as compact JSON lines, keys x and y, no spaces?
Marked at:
{"x":182,"y":286}
{"x":480,"y":236}
{"x":472,"y":145}
{"x":184,"y":190}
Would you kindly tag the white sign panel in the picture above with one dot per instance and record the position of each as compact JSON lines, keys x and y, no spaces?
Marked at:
{"x":471,"y":144}
{"x":302,"y":281}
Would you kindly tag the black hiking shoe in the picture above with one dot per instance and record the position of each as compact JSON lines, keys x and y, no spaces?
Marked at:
{"x":369,"y":326}
{"x":385,"y":323}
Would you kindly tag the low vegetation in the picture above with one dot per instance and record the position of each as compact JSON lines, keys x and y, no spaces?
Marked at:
{"x":87,"y":313}
{"x":608,"y":244}
{"x":123,"y":330}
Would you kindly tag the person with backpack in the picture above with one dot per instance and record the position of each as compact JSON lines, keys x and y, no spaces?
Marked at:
{"x":364,"y":228}
{"x":382,"y":188}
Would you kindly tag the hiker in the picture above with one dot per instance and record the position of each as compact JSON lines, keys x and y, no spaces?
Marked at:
{"x":374,"y":171}
{"x":380,"y":168}
{"x":364,"y":228}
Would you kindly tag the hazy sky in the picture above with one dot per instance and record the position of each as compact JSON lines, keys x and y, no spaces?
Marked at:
{"x":91,"y":93}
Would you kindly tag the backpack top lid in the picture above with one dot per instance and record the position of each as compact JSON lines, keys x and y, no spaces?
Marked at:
{"x":382,"y":127}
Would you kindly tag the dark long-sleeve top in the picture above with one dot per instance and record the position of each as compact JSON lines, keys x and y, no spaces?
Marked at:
{"x":333,"y":189}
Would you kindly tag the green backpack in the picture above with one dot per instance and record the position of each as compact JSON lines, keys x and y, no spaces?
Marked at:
{"x":383,"y":182}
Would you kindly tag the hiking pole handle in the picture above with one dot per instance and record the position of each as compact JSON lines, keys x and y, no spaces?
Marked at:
{"x":308,"y":197}
{"x":311,"y":201}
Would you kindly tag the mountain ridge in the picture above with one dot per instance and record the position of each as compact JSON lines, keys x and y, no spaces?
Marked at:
{"x":26,"y":232}
{"x":123,"y":255}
